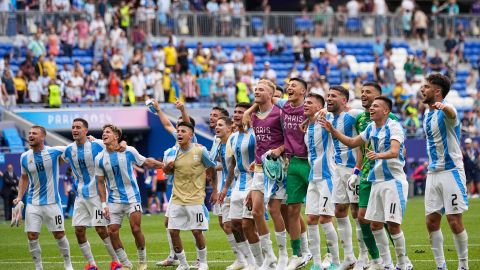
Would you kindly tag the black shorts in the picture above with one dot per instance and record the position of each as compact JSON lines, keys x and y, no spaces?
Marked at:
{"x":421,"y":31}
{"x":297,"y":56}
{"x":472,"y":176}
{"x":150,"y":193}
{"x":162,"y":186}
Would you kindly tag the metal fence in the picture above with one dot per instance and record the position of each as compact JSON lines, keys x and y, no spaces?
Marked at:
{"x":255,"y":24}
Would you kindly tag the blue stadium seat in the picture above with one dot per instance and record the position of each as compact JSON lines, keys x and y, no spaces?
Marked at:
{"x":13,"y":140}
{"x":353,"y":24}
{"x":257,"y":23}
{"x":303,"y":24}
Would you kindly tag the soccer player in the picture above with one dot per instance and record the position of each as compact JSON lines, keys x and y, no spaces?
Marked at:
{"x":319,"y":205}
{"x":388,"y":196}
{"x":370,"y":91}
{"x":186,"y":209}
{"x":267,"y":126}
{"x":224,"y":154}
{"x":345,"y":159}
{"x":115,"y":169}
{"x":445,"y":191}
{"x":87,"y":209}
{"x":242,"y":144}
{"x":215,"y":114}
{"x":39,"y":167}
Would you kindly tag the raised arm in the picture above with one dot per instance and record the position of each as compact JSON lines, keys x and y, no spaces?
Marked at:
{"x":447,"y":109}
{"x":351,"y":142}
{"x":163,"y":118}
{"x":181,"y":107}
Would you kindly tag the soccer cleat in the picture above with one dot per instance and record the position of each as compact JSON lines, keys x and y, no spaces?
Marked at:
{"x":327,"y":261}
{"x":444,"y":267}
{"x":142,"y":266}
{"x":169,"y":261}
{"x":183,"y":267}
{"x":349,"y":263}
{"x":462,"y":268}
{"x":250,"y":267}
{"x":332,"y":267}
{"x":125,"y":267}
{"x":236,"y":265}
{"x":361,"y":264}
{"x":270,"y":263}
{"x":115,"y":266}
{"x":306,"y":258}
{"x":68,"y":267}
{"x":295,"y":262}
{"x":202,"y":266}
{"x":90,"y":267}
{"x":195,"y":264}
{"x":389,"y":267}
{"x":315,"y":267}
{"x":376,"y":266}
{"x":282,"y":262}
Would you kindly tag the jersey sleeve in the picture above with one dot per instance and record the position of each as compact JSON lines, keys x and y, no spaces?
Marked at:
{"x":355,"y":112}
{"x":99,"y":142}
{"x":365,"y":135}
{"x":135,"y":156}
{"x":452,"y":121}
{"x":396,"y":132}
{"x":98,"y":167}
{"x":281,"y":103}
{"x":207,"y":162}
{"x":66,"y":154}
{"x":24,"y":164}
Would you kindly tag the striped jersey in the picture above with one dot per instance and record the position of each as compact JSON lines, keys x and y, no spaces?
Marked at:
{"x":81,"y":158}
{"x":42,"y":171}
{"x":320,"y":153}
{"x":243,"y":148}
{"x":170,"y":155}
{"x":225,"y":156}
{"x":117,"y":168}
{"x":345,"y":124}
{"x":443,"y":140}
{"x":380,"y":139}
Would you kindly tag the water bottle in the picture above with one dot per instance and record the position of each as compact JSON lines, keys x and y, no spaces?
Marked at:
{"x":149,"y":104}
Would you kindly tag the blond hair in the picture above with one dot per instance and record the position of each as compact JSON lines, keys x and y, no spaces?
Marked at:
{"x":268,"y":83}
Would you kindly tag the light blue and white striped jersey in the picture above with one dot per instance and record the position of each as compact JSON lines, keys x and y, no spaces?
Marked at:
{"x":117,"y":168}
{"x":243,"y":149}
{"x":380,"y":138}
{"x":42,"y":170}
{"x":443,"y":140}
{"x":82,"y":160}
{"x":219,"y":152}
{"x":320,"y":153}
{"x":170,"y":155}
{"x":345,"y":123}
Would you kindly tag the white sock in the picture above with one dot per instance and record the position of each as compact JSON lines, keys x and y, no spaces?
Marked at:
{"x":36,"y":252}
{"x":461,"y":244}
{"x":361,"y":245}
{"x":256,"y":249}
{"x":282,"y":243}
{"x":345,"y":233}
{"x":142,"y":255}
{"x":332,"y":241}
{"x":399,"y":242}
{"x":202,"y":255}
{"x":436,"y":241}
{"x":108,"y":245}
{"x":304,"y":246}
{"x":314,"y":243}
{"x":181,"y":258}
{"x":170,"y":245}
{"x":246,"y":252}
{"x":64,"y":248}
{"x":122,"y":257}
{"x":267,"y":246}
{"x":383,"y":247}
{"x":87,"y":252}
{"x":234,"y":246}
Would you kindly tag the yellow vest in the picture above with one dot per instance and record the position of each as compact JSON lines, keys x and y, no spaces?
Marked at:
{"x":242,"y":93}
{"x":128,"y":92}
{"x":125,"y":16}
{"x":189,"y":177}
{"x":54,"y":97}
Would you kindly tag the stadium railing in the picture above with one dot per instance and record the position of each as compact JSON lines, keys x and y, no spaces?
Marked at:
{"x":255,"y":24}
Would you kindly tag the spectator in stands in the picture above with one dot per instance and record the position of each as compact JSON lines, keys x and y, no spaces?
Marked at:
{"x":114,"y":89}
{"x":61,"y":5}
{"x":205,"y":85}
{"x":98,"y":23}
{"x":332,"y":51}
{"x":269,"y":42}
{"x":20,"y":42}
{"x":297,"y":46}
{"x":268,"y":73}
{"x":450,"y":43}
{"x":54,"y":94}
{"x":50,"y":67}
{"x":69,"y":189}
{"x":436,"y":63}
{"x":420,"y":22}
{"x":35,"y":46}
{"x":35,"y":90}
{"x":476,"y":118}
{"x":53,"y":42}
{"x":343,"y":66}
{"x":138,"y":37}
{"x":237,"y":10}
{"x":280,"y":41}
{"x":353,"y":8}
{"x":306,"y":48}
{"x":308,"y":73}
{"x":9,"y":190}
{"x":10,"y":89}
{"x":67,"y":37}
{"x":407,"y":22}
{"x":138,"y":83}
{"x":378,"y":47}
{"x":471,"y":161}
{"x":468,"y":125}
{"x":225,"y":17}
{"x":419,"y":177}
{"x":82,"y":33}
{"x":189,"y":87}
{"x":451,"y":7}
{"x":125,"y":12}
{"x":322,"y":64}
{"x":380,"y":9}
{"x":170,"y":55}
{"x":163,"y":11}
{"x":20,"y":86}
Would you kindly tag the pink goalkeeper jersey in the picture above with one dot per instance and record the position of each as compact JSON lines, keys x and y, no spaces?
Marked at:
{"x":268,"y":133}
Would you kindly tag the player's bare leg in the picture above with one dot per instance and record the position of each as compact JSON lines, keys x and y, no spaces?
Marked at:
{"x":114,"y":232}
{"x":201,"y":249}
{"x":135,"y":226}
{"x":274,"y":207}
{"x":171,"y":260}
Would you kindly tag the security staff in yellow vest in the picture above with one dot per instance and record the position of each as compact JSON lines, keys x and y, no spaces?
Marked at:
{"x":128,"y":93}
{"x":186,"y":210}
{"x":242,"y":93}
{"x":54,"y":94}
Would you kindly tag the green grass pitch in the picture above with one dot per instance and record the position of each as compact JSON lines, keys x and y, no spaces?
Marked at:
{"x":14,"y":250}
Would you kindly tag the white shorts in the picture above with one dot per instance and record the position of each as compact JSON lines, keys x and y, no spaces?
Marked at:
{"x":188,"y":217}
{"x":51,"y":214}
{"x":238,"y":209}
{"x":88,"y":212}
{"x":217,"y":209}
{"x":226,"y":210}
{"x":387,"y":201}
{"x":119,"y":210}
{"x":341,"y":193}
{"x":445,"y":192}
{"x":319,"y":199}
{"x":271,"y":189}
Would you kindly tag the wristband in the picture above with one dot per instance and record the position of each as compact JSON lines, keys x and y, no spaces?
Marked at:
{"x":104,"y":205}
{"x":356,"y":171}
